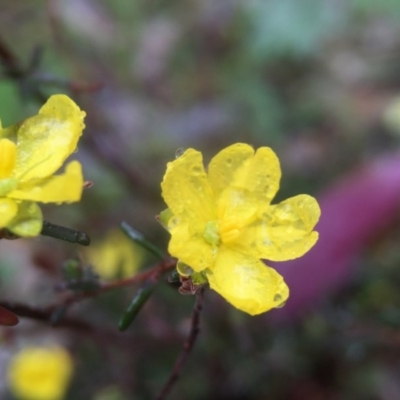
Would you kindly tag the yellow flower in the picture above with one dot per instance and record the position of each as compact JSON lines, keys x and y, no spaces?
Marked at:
{"x":222,"y":223}
{"x":115,"y":256}
{"x":38,"y":373}
{"x":30,"y":153}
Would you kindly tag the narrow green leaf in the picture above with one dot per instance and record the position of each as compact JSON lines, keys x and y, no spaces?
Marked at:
{"x":64,"y":233}
{"x":139,"y":238}
{"x":136,"y":305}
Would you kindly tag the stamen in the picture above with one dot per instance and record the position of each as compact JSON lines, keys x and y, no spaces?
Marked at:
{"x":8,"y":155}
{"x":229,"y":230}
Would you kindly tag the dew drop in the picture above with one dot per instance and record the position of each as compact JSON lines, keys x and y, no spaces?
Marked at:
{"x":179,"y":152}
{"x":280,"y":305}
{"x":184,"y":269}
{"x":196,"y":170}
{"x":277,"y":298}
{"x":173,"y":222}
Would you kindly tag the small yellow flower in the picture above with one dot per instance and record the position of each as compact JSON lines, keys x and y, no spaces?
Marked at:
{"x":30,"y":153}
{"x":222,"y":223}
{"x":115,"y":256}
{"x":38,"y":373}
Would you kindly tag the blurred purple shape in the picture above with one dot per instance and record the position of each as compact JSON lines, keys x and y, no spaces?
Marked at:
{"x":355,"y":210}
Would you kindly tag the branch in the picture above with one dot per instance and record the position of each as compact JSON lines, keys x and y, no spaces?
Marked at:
{"x":12,"y":68}
{"x":44,"y":314}
{"x":152,"y":273}
{"x":55,"y":315}
{"x":27,"y":77}
{"x":186,"y":348}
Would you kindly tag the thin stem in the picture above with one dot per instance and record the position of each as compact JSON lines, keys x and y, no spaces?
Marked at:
{"x":47,"y":314}
{"x":44,"y":314}
{"x":151,"y":273}
{"x":186,"y":348}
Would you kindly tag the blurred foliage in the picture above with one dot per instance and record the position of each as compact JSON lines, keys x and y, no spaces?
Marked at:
{"x":311,"y":78}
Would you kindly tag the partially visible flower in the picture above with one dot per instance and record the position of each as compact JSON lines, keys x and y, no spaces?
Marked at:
{"x":30,"y":153}
{"x":115,"y":256}
{"x":40,"y":373}
{"x":222,"y":223}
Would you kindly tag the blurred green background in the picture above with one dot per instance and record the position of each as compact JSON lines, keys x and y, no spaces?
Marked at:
{"x":317,"y":80}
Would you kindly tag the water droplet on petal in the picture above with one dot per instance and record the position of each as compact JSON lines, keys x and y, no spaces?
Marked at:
{"x":184,"y":269}
{"x":279,"y":300}
{"x":196,"y":170}
{"x":280,"y":305}
{"x":174,"y":221}
{"x":179,"y":152}
{"x":277,"y":297}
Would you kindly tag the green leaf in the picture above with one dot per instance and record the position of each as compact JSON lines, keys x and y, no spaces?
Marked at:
{"x":136,"y":305}
{"x":139,"y":238}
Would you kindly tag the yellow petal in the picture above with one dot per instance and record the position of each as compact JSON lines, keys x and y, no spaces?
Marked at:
{"x":186,"y":190}
{"x":8,"y":152}
{"x":189,"y":245}
{"x":224,"y":165}
{"x":284,"y":231}
{"x":28,"y":222}
{"x":45,"y":140}
{"x":247,"y":283}
{"x":8,"y":210}
{"x":238,"y":166}
{"x":59,"y":188}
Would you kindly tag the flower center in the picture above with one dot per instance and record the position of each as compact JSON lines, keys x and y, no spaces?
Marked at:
{"x":229,"y":230}
{"x":225,"y":231}
{"x":8,"y":155}
{"x":211,"y":234}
